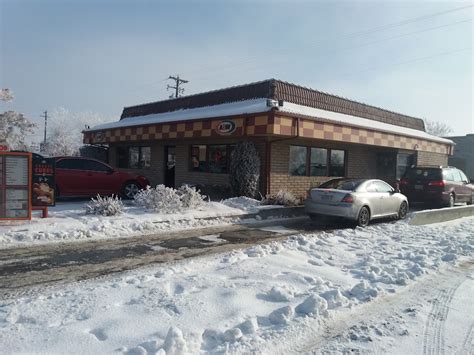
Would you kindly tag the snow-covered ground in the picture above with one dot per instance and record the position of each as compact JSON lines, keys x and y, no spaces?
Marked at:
{"x":68,"y":222}
{"x":391,"y":288}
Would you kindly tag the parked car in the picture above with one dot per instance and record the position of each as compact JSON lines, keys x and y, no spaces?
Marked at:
{"x":77,"y":176}
{"x":437,"y":185}
{"x":360,"y":200}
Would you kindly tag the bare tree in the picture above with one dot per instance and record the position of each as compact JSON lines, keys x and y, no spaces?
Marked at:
{"x":436,"y":128}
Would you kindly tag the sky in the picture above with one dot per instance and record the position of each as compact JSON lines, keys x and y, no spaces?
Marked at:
{"x":412,"y":57}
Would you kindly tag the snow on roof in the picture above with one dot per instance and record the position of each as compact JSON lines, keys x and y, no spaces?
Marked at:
{"x":260,"y":105}
{"x":228,"y":109}
{"x":350,"y":120}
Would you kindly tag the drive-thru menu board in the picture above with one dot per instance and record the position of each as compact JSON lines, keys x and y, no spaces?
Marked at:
{"x":15,"y":185}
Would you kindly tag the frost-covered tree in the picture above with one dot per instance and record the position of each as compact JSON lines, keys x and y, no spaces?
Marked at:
{"x":60,"y":141}
{"x":6,"y":95}
{"x":439,"y":129}
{"x":13,"y":125}
{"x":65,"y":132}
{"x":244,"y":170}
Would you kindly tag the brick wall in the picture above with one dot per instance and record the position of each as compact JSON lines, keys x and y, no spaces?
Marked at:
{"x":360,"y":162}
{"x":154,"y":173}
{"x":184,"y":175}
{"x":426,"y":158}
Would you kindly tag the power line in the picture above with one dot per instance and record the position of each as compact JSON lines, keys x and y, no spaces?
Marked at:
{"x":349,"y":35}
{"x":335,"y":50}
{"x":440,"y":54}
{"x":250,"y":60}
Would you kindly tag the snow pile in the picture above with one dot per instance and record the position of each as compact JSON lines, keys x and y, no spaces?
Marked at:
{"x":282,"y":197}
{"x":242,"y":203}
{"x":68,"y":221}
{"x":269,"y":298}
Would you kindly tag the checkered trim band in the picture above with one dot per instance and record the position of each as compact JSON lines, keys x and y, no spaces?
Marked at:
{"x":329,"y":131}
{"x":263,"y":126}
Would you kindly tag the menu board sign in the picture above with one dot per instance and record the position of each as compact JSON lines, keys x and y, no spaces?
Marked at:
{"x":43,"y":181}
{"x":15,"y":185}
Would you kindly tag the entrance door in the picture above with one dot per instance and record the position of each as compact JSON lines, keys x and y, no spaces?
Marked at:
{"x":170,"y":163}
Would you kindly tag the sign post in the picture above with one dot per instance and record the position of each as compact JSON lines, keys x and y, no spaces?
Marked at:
{"x":15,"y":186}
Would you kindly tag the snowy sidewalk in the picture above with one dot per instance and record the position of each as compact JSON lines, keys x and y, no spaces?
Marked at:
{"x":271,"y":298}
{"x":68,"y":222}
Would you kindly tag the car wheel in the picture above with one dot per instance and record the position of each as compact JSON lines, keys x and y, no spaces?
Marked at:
{"x":470,"y":201}
{"x":364,"y":217}
{"x":130,"y":189}
{"x":403,"y":210}
{"x":451,"y":201}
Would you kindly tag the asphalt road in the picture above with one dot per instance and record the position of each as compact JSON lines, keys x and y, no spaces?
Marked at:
{"x":23,"y":268}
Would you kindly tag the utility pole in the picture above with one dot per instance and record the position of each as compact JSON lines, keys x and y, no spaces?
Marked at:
{"x":178,"y":81}
{"x":45,"y":115}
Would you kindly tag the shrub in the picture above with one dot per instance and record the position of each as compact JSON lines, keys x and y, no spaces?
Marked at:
{"x":105,"y":206}
{"x":244,"y":171}
{"x":190,"y":197}
{"x":161,"y":198}
{"x":282,"y":197}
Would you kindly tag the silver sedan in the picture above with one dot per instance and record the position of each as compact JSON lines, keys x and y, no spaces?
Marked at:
{"x":360,"y":200}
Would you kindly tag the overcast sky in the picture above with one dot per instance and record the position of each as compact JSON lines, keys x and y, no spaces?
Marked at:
{"x":413,"y":57}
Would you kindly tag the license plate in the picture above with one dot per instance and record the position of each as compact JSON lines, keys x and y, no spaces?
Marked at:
{"x":418,"y":187}
{"x":326,"y":197}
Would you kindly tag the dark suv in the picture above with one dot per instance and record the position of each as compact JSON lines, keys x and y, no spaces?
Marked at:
{"x":441,"y":186}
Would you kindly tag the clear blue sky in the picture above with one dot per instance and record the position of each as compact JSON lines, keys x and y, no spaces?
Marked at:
{"x":103,"y":55}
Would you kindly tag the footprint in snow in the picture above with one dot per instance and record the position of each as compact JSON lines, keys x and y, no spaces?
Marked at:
{"x":99,"y":333}
{"x":179,"y":289}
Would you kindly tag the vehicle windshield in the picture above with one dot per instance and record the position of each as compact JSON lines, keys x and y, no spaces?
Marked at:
{"x":424,"y":174}
{"x":349,"y":185}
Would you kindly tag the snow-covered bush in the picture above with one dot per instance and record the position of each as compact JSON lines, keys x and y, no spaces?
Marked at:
{"x":160,"y":198}
{"x":244,"y":171}
{"x":105,"y":206}
{"x":190,"y":197}
{"x":282,"y":197}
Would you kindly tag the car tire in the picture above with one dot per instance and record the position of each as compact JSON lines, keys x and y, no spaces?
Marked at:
{"x":363,"y":218}
{"x":470,"y":201}
{"x":130,"y":189}
{"x":403,"y":210}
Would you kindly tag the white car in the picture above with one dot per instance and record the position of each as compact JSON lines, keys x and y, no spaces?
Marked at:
{"x":360,"y":200}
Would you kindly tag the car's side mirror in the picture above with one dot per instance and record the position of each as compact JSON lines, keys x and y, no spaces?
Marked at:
{"x":110,"y":171}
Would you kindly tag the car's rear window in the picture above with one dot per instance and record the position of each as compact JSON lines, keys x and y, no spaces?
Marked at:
{"x":349,"y":185}
{"x":424,"y":174}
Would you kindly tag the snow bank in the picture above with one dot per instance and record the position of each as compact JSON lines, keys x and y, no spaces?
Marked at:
{"x":264,"y":299}
{"x":68,"y":221}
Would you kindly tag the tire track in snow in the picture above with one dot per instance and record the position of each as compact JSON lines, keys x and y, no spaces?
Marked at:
{"x":433,"y":337}
{"x":468,"y":342}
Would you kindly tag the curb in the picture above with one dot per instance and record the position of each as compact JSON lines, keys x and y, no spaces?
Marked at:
{"x":441,"y":215}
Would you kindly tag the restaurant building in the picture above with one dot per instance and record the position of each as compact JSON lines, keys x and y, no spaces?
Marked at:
{"x":303,"y":136}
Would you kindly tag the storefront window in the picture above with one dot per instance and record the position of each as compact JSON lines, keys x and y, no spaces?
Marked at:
{"x":297,"y":160}
{"x":323,"y":162}
{"x":198,"y":158}
{"x":214,"y":158}
{"x":218,"y":159}
{"x":336,"y":165}
{"x":403,"y":162}
{"x":319,"y":164}
{"x":134,"y":157}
